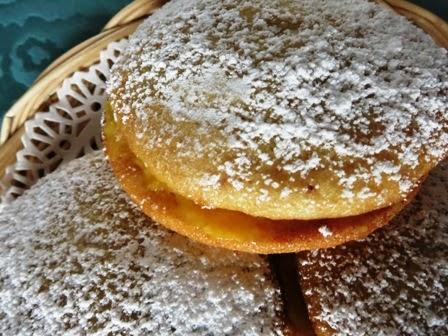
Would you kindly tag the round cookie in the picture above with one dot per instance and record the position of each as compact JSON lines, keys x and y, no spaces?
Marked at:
{"x":392,"y":283}
{"x":226,"y":228}
{"x":78,"y":258}
{"x":283,"y":109}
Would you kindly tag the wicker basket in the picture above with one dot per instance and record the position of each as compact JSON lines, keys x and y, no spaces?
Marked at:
{"x":121,"y":25}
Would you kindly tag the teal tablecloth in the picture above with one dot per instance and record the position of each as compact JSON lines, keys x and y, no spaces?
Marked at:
{"x":34,"y":32}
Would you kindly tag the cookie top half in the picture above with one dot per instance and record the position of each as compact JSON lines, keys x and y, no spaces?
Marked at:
{"x":283,"y":109}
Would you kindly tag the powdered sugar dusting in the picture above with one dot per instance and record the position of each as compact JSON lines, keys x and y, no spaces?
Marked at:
{"x":77,"y":258}
{"x":303,"y":86}
{"x":393,"y":283}
{"x":325,"y":231}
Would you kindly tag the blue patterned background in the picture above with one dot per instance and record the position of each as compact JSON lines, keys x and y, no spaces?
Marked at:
{"x":35,"y":32}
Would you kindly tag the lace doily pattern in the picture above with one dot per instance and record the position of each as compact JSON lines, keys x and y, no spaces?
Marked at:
{"x":67,"y":128}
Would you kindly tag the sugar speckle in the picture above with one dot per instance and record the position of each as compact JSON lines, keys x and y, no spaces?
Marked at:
{"x":325,"y":231}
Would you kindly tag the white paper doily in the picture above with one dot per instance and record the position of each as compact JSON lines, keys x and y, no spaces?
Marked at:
{"x":69,"y":128}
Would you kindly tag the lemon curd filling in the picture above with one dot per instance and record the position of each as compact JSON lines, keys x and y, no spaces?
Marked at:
{"x":218,"y":223}
{"x":215,"y":222}
{"x":223,"y":227}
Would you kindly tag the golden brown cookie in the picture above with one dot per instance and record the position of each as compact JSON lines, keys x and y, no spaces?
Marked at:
{"x":283,"y":109}
{"x":392,"y":283}
{"x":77,"y":257}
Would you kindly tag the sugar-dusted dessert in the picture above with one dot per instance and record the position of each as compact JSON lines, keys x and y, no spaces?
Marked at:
{"x":276,"y":113}
{"x":227,"y":228}
{"x":78,"y":258}
{"x":393,"y":283}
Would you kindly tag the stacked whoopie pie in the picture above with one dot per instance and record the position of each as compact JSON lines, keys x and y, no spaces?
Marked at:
{"x":276,"y":126}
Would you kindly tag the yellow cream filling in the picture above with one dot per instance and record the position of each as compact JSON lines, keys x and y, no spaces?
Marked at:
{"x":218,"y":223}
{"x":214,"y":221}
{"x":222,"y":227}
